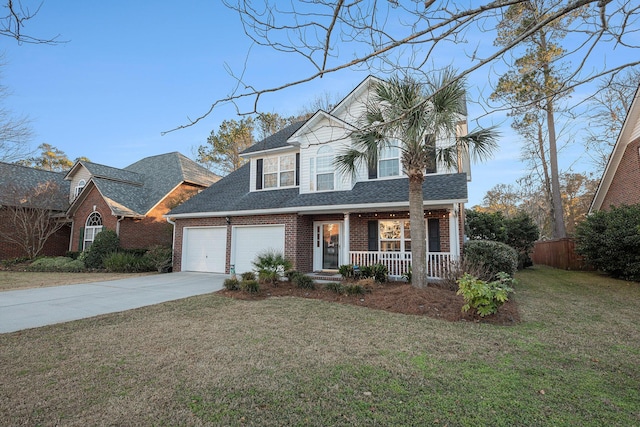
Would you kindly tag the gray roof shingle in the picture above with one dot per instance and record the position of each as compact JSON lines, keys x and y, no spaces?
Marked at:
{"x":21,"y":180}
{"x":277,"y":140}
{"x":137,"y":188}
{"x":231,"y":194}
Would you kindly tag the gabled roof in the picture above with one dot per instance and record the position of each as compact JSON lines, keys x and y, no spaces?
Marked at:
{"x":22,"y":180}
{"x":106,"y":172}
{"x":231,"y":196}
{"x":318,"y":117}
{"x":275,"y":141}
{"x":364,"y":86}
{"x":631,"y":124}
{"x":156,"y":176}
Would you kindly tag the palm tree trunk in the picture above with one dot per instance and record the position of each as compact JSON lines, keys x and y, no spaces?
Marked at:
{"x":418,"y":232}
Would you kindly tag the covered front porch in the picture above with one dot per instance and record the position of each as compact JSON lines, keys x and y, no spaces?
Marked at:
{"x":368,"y":238}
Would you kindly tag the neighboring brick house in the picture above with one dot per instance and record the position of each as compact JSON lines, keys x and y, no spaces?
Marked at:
{"x":289,"y":197}
{"x":133,"y":200}
{"x":17,"y":184}
{"x":620,"y":183}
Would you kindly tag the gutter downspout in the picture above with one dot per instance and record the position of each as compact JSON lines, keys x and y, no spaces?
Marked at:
{"x":173,"y":238}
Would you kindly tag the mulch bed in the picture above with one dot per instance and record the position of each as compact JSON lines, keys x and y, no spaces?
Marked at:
{"x":397,"y":297}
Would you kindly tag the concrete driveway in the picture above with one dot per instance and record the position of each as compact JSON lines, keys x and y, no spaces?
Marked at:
{"x":31,"y":308}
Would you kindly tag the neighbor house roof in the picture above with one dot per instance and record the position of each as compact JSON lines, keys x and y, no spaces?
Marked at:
{"x":231,"y":195}
{"x":16,"y":180}
{"x":137,"y":188}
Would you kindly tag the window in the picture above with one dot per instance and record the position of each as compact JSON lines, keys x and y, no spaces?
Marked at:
{"x":322,"y":175}
{"x":279,"y":171}
{"x":389,"y":161}
{"x":93,"y":226}
{"x":395,"y":235}
{"x":79,"y":188}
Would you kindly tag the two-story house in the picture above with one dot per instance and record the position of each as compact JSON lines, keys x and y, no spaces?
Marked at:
{"x":132,"y":200}
{"x":290,"y":197}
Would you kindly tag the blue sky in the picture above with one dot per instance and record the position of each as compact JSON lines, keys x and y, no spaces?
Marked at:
{"x":131,"y":70}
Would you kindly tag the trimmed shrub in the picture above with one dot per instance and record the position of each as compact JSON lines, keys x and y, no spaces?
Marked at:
{"x":353,"y":289}
{"x":105,"y":242}
{"x":123,"y":262}
{"x":346,"y":271}
{"x":610,"y":241}
{"x":492,"y":256}
{"x":334,"y":287}
{"x":248,"y":275}
{"x":303,"y":281}
{"x":73,"y":254}
{"x":61,"y":264}
{"x":251,"y":286}
{"x":159,"y":258}
{"x":485,"y":297}
{"x":231,"y":284}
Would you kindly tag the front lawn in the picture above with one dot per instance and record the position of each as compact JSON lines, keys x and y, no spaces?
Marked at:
{"x":13,"y":280}
{"x":211,"y":360}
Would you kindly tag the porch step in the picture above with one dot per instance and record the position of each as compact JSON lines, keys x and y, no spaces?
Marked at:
{"x":326,"y":276}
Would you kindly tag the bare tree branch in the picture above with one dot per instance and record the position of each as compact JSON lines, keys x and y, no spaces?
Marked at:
{"x":14,"y":20}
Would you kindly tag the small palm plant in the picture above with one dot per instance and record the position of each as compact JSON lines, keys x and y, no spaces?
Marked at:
{"x":271,"y":265}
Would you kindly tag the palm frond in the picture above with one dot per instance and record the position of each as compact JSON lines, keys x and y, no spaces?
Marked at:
{"x":481,"y":143}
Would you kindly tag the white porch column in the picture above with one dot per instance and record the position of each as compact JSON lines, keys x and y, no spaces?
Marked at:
{"x":454,"y":232}
{"x":345,"y":244}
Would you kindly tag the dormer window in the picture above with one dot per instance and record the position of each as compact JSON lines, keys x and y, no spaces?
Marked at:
{"x":79,"y":188}
{"x":277,"y":171}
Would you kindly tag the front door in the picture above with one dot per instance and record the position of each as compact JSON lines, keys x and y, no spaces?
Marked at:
{"x":327,"y":245}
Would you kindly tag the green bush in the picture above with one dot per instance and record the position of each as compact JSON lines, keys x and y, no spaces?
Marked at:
{"x":408,"y":275}
{"x":231,"y":284}
{"x":248,"y":275}
{"x":353,"y":289}
{"x":303,"y":281}
{"x":493,"y":257}
{"x":484,"y":297}
{"x":73,"y":254}
{"x":105,"y":242}
{"x":380,"y":273}
{"x":334,"y":287}
{"x":271,"y":265}
{"x":519,"y":232}
{"x":123,"y":262}
{"x":251,"y":286}
{"x":346,"y":271}
{"x":159,"y":258}
{"x":61,"y":264}
{"x":610,"y":241}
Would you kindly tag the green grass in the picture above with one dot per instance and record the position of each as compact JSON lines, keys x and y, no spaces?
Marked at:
{"x":208,"y":360}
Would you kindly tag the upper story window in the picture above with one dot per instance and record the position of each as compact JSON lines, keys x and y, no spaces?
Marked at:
{"x":79,"y":188}
{"x":322,"y":170}
{"x":93,"y":226}
{"x":389,"y":161}
{"x":277,"y":171}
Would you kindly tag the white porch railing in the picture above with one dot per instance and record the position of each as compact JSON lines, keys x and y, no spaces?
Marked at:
{"x":398,"y":262}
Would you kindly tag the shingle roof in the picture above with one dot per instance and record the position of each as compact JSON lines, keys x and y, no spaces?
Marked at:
{"x":137,"y":188}
{"x":22,"y":180}
{"x":108,"y":172}
{"x":277,"y":140}
{"x":231,"y":194}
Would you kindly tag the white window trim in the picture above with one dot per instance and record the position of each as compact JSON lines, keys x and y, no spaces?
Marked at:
{"x":395,"y":145}
{"x":278,"y":172}
{"x":79,"y":187}
{"x":327,"y":154}
{"x":95,"y":229}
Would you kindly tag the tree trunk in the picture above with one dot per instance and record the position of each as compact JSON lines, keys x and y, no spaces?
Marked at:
{"x":559,"y":230}
{"x":418,"y":232}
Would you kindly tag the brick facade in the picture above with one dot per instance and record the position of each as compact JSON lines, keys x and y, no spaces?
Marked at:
{"x":134,"y":233}
{"x":625,"y":186}
{"x":299,"y":232}
{"x":56,"y":245}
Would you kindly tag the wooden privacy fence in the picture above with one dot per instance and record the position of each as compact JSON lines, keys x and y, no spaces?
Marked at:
{"x":558,"y":253}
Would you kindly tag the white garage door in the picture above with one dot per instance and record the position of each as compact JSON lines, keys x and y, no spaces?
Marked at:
{"x":249,"y":241}
{"x":204,"y":249}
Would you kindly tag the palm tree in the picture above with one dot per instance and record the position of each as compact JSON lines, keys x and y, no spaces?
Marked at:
{"x":414,"y":115}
